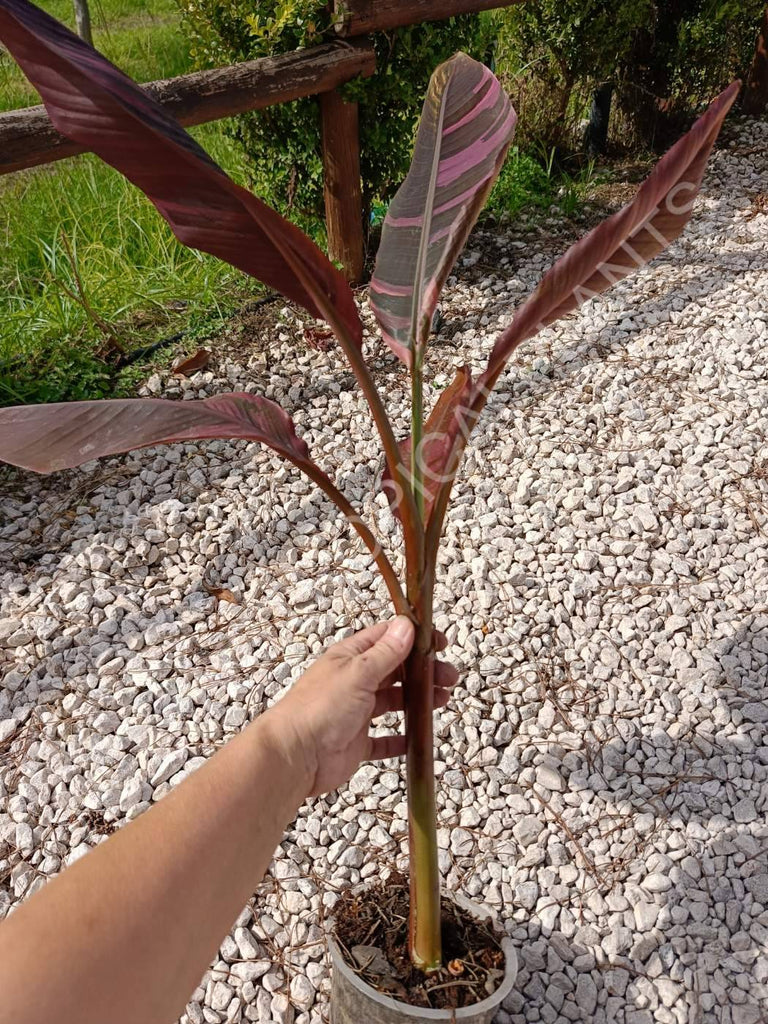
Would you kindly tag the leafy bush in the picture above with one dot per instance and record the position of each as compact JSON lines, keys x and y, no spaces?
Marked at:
{"x":551,"y":53}
{"x":666,"y":57}
{"x":689,"y":49}
{"x":282,"y":139}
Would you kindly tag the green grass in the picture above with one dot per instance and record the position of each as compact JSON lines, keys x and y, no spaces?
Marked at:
{"x":532,"y":180}
{"x":143,"y":37}
{"x":89,"y":268}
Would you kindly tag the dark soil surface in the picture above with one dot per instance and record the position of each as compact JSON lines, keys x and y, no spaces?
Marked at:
{"x":372,"y":931}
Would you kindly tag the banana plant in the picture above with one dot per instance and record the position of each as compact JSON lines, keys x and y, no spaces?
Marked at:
{"x":466,"y":128}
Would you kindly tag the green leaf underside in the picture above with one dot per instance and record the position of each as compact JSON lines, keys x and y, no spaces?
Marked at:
{"x":93,"y":103}
{"x":465,"y":130}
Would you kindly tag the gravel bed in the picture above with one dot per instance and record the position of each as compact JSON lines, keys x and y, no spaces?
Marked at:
{"x":603,"y":585}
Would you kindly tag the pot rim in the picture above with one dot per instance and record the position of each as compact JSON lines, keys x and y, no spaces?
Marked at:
{"x":427,"y":1013}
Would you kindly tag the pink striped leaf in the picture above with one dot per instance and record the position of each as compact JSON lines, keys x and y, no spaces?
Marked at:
{"x":45,"y":438}
{"x":466,"y":128}
{"x":96,"y":105}
{"x":624,"y":242}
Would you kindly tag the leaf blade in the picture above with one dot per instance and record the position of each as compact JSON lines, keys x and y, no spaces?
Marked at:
{"x":465,"y":130}
{"x":622,"y":243}
{"x":62,"y":435}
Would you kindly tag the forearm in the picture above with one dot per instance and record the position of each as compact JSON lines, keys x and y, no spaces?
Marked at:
{"x":125,"y":934}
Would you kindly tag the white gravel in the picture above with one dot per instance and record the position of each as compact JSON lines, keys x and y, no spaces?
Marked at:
{"x":603,"y":586}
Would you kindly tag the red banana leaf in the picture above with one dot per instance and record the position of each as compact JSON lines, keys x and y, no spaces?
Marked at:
{"x":466,"y":128}
{"x":624,"y":242}
{"x":93,"y":103}
{"x":613,"y":250}
{"x":45,"y":438}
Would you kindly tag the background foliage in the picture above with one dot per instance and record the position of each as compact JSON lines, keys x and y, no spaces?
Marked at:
{"x":688,"y":51}
{"x":552,"y":53}
{"x":667,"y":58}
{"x":283,"y":143}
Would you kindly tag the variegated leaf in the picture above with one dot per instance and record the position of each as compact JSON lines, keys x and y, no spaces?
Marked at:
{"x":466,"y":128}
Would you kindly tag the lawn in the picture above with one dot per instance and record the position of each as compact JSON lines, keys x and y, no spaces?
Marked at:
{"x":88,"y":267}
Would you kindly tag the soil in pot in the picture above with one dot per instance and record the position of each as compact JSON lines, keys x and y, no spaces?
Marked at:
{"x":372,"y":932}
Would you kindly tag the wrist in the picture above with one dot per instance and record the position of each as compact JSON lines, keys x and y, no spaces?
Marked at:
{"x":288,"y":754}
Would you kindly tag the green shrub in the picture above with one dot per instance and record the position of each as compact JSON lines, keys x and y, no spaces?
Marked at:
{"x":667,"y":58}
{"x":283,"y":142}
{"x":689,"y":51}
{"x":550,"y":55}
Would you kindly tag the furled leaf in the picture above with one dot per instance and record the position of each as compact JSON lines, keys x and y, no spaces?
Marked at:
{"x":623,"y":242}
{"x":466,"y":128}
{"x":96,"y":105}
{"x":440,"y":430}
{"x":61,"y":435}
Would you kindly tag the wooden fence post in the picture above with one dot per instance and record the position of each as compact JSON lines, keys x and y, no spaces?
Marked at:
{"x":343,"y":193}
{"x":756,"y":93}
{"x":83,"y":21}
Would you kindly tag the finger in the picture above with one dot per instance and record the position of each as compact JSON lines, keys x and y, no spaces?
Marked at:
{"x":383,"y":747}
{"x":389,"y":650}
{"x":446,"y":675}
{"x":360,"y":641}
{"x":439,"y":639}
{"x":388,"y":699}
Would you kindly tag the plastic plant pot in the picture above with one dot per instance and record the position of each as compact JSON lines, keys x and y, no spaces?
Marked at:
{"x":354,"y":1001}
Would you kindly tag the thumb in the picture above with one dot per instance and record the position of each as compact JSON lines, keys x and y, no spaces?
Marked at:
{"x":391,"y":648}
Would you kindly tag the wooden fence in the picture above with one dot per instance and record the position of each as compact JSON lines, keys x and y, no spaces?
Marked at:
{"x":28,"y":139}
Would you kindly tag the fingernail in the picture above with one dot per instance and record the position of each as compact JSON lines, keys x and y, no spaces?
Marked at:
{"x":400,"y":629}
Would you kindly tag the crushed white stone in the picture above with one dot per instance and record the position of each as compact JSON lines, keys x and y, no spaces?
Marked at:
{"x":604,"y":763}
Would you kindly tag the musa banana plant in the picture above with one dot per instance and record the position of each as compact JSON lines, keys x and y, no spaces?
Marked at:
{"x":465,"y":131}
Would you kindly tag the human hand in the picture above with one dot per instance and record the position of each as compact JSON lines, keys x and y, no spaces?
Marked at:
{"x":322,"y":723}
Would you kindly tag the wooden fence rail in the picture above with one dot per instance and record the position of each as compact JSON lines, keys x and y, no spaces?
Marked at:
{"x":27,"y":137}
{"x":359,"y":17}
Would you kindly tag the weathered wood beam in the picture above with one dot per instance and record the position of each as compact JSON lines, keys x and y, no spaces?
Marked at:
{"x":755,"y":100}
{"x":359,"y":17}
{"x":343,"y":191}
{"x":27,"y":137}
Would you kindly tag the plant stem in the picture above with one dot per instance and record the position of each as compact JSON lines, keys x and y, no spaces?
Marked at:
{"x":424,"y":932}
{"x":418,"y":685}
{"x":384,"y":565}
{"x":417,"y":432}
